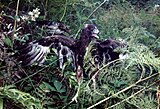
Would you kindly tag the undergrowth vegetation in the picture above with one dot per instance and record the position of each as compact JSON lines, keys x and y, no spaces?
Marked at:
{"x":132,"y":83}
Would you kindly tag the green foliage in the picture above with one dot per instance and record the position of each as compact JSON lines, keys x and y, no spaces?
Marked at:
{"x":112,"y":80}
{"x":8,"y":42}
{"x":19,"y":97}
{"x":144,"y":102}
{"x":1,"y":103}
{"x":122,"y":84}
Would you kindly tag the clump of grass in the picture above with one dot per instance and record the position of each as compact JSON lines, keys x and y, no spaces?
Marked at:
{"x":22,"y":99}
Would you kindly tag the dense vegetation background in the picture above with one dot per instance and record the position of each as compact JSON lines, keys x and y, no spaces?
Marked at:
{"x":131,"y":84}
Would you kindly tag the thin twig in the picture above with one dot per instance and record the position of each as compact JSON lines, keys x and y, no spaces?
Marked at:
{"x":123,"y":90}
{"x":29,"y":76}
{"x":96,"y":9}
{"x":132,"y":95}
{"x":15,"y":21}
{"x":45,"y":9}
{"x":65,"y":9}
{"x":101,"y":69}
{"x":91,"y":15}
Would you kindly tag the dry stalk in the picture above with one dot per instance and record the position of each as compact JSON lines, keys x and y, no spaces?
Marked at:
{"x":123,"y":90}
{"x":15,"y":21}
{"x":132,"y":95}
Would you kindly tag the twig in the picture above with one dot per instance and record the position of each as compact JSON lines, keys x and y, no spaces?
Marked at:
{"x":27,"y":76}
{"x":15,"y":21}
{"x":91,"y":15}
{"x":34,"y":73}
{"x":65,"y":9}
{"x":101,"y":69}
{"x":123,"y":90}
{"x":97,"y":8}
{"x":132,"y":95}
{"x":45,"y":9}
